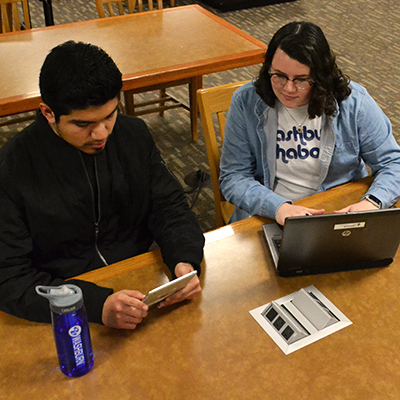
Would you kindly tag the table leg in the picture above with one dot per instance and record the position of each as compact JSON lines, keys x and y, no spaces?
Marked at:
{"x":129,"y":103}
{"x":48,"y":12}
{"x":195,"y":84}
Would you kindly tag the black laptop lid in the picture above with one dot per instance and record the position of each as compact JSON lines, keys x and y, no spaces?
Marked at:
{"x":337,"y":242}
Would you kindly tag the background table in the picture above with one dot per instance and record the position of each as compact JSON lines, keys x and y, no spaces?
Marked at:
{"x":151,"y":48}
{"x":211,"y":347}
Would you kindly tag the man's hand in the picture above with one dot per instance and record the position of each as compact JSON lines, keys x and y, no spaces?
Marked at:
{"x":124,"y":309}
{"x":363,"y":205}
{"x":291,"y":210}
{"x":192,"y":288}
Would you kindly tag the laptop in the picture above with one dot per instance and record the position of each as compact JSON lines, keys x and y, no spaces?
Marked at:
{"x":317,"y":244}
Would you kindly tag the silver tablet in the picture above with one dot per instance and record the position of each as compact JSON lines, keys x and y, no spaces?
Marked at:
{"x":160,"y":293}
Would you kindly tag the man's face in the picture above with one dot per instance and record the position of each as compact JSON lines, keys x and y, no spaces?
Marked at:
{"x":88,"y":129}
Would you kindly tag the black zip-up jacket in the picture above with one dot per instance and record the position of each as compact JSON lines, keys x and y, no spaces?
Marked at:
{"x":63,"y":213}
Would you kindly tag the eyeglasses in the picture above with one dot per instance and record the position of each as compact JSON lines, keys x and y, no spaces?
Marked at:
{"x":281,"y":80}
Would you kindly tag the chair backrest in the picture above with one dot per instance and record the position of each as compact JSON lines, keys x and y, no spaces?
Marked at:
{"x":116,"y":7}
{"x":9,"y":15}
{"x":216,"y":101}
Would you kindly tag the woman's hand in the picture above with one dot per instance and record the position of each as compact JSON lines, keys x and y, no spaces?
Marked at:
{"x":291,"y":210}
{"x":363,"y":205}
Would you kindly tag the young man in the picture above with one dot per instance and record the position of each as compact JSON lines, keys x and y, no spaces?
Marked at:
{"x":84,"y":187}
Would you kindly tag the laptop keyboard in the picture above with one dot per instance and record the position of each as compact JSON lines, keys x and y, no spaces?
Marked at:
{"x":277,"y":243}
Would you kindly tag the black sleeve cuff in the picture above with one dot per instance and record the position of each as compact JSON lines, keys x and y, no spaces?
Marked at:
{"x":94,"y":297}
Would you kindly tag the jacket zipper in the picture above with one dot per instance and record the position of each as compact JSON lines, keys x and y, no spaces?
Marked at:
{"x":96,"y":230}
{"x":96,"y":223}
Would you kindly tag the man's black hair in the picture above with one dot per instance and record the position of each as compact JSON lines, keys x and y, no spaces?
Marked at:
{"x":77,"y":75}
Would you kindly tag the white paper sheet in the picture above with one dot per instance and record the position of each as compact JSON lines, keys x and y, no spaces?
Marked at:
{"x":314,"y":335}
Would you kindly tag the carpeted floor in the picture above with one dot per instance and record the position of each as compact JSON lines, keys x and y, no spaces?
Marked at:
{"x":365,"y":35}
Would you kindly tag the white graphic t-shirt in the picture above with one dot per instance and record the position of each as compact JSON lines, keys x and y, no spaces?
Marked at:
{"x":297,"y":153}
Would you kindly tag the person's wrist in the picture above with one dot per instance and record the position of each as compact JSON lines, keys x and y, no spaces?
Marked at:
{"x":373,"y":200}
{"x":183,"y":268}
{"x":281,"y":212}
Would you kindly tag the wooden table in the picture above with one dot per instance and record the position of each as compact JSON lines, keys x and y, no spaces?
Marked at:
{"x":211,"y":347}
{"x":151,"y":48}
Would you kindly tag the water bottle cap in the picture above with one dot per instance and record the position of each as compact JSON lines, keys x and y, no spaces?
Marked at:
{"x":63,"y":299}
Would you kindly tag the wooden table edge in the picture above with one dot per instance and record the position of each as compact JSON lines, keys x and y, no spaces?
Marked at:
{"x":215,"y":235}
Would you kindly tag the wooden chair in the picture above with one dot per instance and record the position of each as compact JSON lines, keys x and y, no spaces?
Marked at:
{"x":216,"y":101}
{"x":164,"y":101}
{"x":116,"y":7}
{"x":10,"y":18}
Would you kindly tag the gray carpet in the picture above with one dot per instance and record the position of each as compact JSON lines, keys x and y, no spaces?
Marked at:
{"x":365,"y":35}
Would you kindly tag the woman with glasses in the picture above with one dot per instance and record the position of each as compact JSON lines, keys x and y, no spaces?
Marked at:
{"x":303,"y":127}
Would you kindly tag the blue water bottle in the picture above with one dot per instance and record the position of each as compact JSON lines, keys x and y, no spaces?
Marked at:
{"x":70,"y":328}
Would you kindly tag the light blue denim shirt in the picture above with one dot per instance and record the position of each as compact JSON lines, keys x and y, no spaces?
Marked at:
{"x":358,"y":134}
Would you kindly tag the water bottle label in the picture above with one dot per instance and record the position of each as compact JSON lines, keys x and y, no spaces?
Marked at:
{"x":75,"y":333}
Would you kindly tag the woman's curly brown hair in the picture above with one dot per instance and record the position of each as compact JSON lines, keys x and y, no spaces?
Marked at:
{"x":306,"y":43}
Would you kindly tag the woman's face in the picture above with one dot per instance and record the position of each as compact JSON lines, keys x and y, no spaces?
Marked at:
{"x":288,"y":94}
